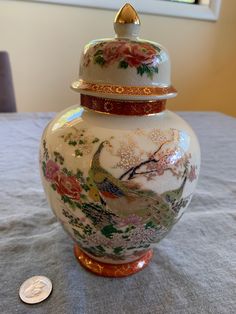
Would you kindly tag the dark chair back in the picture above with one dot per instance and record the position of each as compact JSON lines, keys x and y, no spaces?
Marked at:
{"x":7,"y":95}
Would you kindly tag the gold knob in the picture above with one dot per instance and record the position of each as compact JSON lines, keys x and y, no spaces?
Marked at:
{"x":127,"y":15}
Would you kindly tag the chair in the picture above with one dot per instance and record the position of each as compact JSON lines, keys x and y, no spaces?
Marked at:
{"x":7,"y":95}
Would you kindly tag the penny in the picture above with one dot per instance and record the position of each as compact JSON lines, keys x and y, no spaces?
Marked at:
{"x":35,"y":289}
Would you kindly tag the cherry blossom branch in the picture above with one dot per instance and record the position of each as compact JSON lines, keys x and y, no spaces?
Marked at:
{"x":155,"y":170}
{"x":145,"y":172}
{"x":157,"y":151}
{"x":132,"y":170}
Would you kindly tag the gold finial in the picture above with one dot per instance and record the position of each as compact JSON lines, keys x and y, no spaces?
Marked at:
{"x":127,"y":15}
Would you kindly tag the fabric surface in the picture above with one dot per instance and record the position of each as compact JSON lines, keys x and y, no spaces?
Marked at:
{"x":193,"y":269}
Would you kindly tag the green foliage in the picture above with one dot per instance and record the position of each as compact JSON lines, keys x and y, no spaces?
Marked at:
{"x":125,"y":236}
{"x":118,"y":250}
{"x":100,"y":248}
{"x":88,"y":230}
{"x":97,"y":214}
{"x":99,"y":60}
{"x":128,"y":229}
{"x":58,"y":158}
{"x":53,"y":186}
{"x":79,"y":174}
{"x":44,"y":168}
{"x":45,"y":150}
{"x":123,"y":64}
{"x":78,"y":234}
{"x":67,"y":172}
{"x":143,"y":68}
{"x":85,"y":187}
{"x":95,"y":140}
{"x":78,"y":205}
{"x":98,"y":251}
{"x":177,"y":205}
{"x":73,"y":143}
{"x":66,"y":199}
{"x":108,"y":231}
{"x":78,"y":152}
{"x":150,"y":224}
{"x":80,"y":227}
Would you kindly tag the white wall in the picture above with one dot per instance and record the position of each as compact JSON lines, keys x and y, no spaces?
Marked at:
{"x":45,"y":42}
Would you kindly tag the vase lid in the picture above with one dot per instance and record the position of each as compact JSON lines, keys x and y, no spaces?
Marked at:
{"x":125,"y":67}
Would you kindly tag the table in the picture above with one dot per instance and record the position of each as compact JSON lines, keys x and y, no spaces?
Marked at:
{"x":193,"y":270}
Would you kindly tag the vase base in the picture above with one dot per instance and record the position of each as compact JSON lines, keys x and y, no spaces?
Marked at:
{"x":112,"y":270}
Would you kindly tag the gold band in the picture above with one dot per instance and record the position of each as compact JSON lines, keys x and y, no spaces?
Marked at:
{"x":81,"y":85}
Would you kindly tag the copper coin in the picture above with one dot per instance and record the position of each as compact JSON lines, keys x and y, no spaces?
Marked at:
{"x":35,"y":289}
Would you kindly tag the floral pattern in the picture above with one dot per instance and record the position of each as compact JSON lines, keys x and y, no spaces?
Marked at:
{"x":114,"y":106}
{"x":82,"y":142}
{"x":68,"y":186}
{"x":94,"y":222}
{"x":144,"y":57}
{"x":51,"y":170}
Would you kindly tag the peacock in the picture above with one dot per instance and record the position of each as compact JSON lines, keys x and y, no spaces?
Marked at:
{"x":174,"y":195}
{"x":126,"y":197}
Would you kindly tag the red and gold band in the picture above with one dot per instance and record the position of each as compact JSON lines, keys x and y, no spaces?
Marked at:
{"x":122,"y":107}
{"x":112,"y":270}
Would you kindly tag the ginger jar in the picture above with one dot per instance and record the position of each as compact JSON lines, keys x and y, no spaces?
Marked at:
{"x":119,"y":170}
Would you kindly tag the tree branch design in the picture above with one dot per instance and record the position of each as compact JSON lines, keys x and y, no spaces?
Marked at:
{"x":132,"y":171}
{"x":168,"y":156}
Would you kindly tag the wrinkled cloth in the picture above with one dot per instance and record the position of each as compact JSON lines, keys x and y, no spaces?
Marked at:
{"x":193,"y":269}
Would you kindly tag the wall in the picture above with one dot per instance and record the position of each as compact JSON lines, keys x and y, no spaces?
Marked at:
{"x":45,"y":42}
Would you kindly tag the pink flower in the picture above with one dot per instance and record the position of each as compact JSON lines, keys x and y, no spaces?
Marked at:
{"x":160,"y":166}
{"x":130,"y":220}
{"x":133,"y":54}
{"x":113,"y":52}
{"x":51,"y":170}
{"x":137,"y":54}
{"x":69,"y":186}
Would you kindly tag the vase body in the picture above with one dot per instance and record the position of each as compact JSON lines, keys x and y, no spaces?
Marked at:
{"x":120,"y":169}
{"x":117,"y":183}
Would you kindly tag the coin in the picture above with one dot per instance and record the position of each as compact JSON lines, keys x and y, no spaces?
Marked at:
{"x":35,"y":289}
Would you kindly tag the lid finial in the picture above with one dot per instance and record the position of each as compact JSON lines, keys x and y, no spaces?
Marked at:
{"x":127,"y":22}
{"x":127,"y":15}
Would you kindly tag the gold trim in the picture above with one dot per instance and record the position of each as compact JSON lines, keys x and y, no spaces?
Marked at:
{"x":127,"y":15}
{"x":81,"y":85}
{"x":112,"y":270}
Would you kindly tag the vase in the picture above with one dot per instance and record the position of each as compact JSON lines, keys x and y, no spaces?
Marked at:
{"x":120,"y":169}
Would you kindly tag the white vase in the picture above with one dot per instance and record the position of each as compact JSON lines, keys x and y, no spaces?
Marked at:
{"x":120,"y":169}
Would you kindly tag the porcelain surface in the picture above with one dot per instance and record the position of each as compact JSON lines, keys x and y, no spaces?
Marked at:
{"x":120,"y":170}
{"x":118,"y":185}
{"x":130,"y":64}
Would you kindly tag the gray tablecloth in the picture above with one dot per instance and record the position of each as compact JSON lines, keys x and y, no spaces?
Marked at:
{"x":193,"y":269}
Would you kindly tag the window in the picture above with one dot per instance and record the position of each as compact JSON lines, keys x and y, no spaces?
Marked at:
{"x":184,"y":1}
{"x":206,"y":2}
{"x":200,"y":9}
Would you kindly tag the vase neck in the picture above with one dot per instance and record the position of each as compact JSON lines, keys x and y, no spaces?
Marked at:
{"x":123,"y":107}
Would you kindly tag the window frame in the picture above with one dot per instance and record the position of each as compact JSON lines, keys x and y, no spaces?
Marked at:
{"x":167,"y":8}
